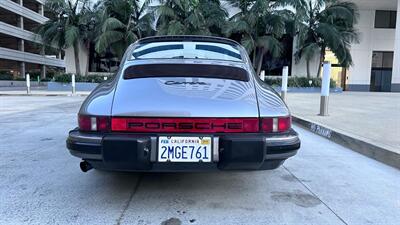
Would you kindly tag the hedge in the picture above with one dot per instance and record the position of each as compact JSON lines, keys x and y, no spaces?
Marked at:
{"x":51,"y":76}
{"x":67,"y":78}
{"x":6,"y":76}
{"x":298,"y":82}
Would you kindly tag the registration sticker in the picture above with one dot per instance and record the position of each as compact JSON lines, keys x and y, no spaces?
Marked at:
{"x":184,"y":149}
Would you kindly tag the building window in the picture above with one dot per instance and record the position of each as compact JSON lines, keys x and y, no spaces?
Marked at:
{"x":381,"y":71}
{"x":385,"y":19}
{"x":382,"y":60}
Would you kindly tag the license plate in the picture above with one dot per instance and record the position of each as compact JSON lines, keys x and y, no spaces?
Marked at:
{"x":184,"y":149}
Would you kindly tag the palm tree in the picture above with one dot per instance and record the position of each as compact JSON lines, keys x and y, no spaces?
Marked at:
{"x":123,"y":22}
{"x":260,"y":24}
{"x":204,"y":17}
{"x":68,"y":28}
{"x":325,"y":24}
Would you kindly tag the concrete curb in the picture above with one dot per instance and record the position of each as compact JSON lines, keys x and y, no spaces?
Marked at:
{"x":363,"y":147}
{"x":40,"y":94}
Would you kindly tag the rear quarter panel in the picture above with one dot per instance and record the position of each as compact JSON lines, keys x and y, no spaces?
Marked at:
{"x":270,"y":103}
{"x":100,"y":100}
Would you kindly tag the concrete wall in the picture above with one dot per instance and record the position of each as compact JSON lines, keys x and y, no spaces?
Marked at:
{"x":70,"y":60}
{"x":372,"y":39}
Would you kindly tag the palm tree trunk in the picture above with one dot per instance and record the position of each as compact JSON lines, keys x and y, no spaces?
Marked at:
{"x":308,"y":68}
{"x":254,"y":57}
{"x":76,"y":56}
{"x":321,"y":60}
{"x":87,"y":58}
{"x":260,"y":60}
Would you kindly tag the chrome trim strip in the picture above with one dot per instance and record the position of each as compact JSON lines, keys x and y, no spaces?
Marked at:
{"x":85,"y":138}
{"x":215,"y":149}
{"x":286,"y":139}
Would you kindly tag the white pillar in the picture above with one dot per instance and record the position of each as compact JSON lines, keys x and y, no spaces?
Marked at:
{"x":285,"y":74}
{"x":73,"y":84}
{"x":28,"y":84}
{"x":262,"y":75}
{"x":396,"y":59}
{"x":326,"y":78}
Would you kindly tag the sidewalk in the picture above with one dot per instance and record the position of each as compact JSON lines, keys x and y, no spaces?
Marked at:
{"x":36,"y":92}
{"x":367,"y":116}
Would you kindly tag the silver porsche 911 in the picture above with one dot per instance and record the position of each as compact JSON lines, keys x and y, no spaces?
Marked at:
{"x":183,"y":103}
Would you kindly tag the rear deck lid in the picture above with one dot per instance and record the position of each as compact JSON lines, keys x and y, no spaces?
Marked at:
{"x":186,"y":89}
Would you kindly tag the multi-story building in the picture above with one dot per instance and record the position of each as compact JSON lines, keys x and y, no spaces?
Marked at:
{"x":21,"y":50}
{"x":377,"y":56}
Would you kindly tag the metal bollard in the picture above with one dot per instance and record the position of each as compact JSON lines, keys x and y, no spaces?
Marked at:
{"x":285,"y":74}
{"x":326,"y":78}
{"x":73,"y":84}
{"x":28,"y":84}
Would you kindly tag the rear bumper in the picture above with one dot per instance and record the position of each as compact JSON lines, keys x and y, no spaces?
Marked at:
{"x":138,"y":152}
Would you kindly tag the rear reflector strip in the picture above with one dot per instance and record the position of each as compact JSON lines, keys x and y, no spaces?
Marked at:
{"x":186,"y":125}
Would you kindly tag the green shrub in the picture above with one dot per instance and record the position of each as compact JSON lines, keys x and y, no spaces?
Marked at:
{"x":67,"y":78}
{"x":47,"y":79}
{"x":6,"y":76}
{"x":298,"y":82}
{"x":63,"y":78}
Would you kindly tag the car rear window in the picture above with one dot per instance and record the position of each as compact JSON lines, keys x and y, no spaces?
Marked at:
{"x":186,"y":70}
{"x":187,"y":50}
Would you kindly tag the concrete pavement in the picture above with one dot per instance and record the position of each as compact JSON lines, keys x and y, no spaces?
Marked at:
{"x":370,"y":116}
{"x":40,"y":183}
{"x":39,"y":92}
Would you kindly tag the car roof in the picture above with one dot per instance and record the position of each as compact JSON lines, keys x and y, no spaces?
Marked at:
{"x":198,"y":38}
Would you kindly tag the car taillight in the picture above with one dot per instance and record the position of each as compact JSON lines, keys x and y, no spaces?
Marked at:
{"x":284,"y":123}
{"x":186,"y":125}
{"x":276,"y":124}
{"x":94,"y":123}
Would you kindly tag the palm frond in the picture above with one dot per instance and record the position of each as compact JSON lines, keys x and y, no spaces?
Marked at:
{"x":108,"y":38}
{"x":112,"y":23}
{"x":248,"y":43}
{"x":270,"y":44}
{"x":71,"y":36}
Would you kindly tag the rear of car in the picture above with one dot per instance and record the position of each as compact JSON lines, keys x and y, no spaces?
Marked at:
{"x":183,"y":103}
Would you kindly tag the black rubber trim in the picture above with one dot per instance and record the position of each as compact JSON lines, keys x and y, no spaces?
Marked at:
{"x":198,"y":38}
{"x":234,"y":145}
{"x":85,"y":148}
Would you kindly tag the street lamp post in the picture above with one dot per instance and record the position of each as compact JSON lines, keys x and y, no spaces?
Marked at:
{"x":326,"y":78}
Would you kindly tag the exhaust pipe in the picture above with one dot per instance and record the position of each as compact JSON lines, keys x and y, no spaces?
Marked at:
{"x":85,"y":166}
